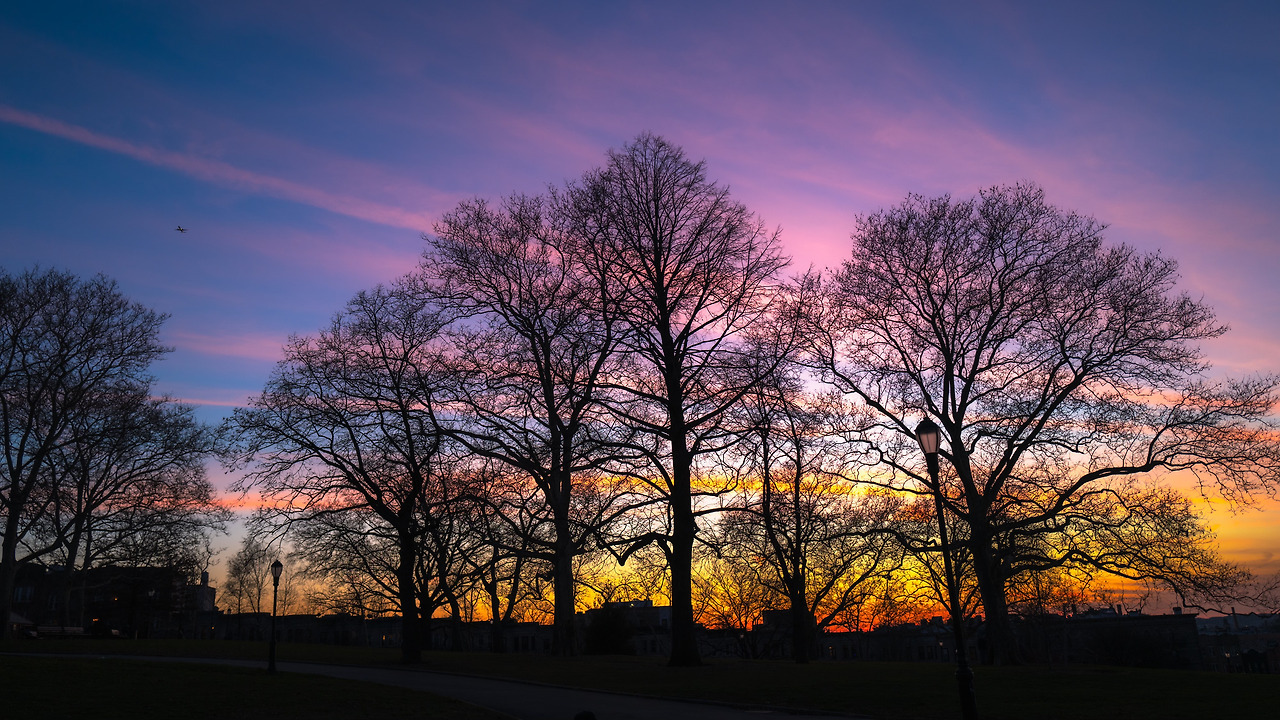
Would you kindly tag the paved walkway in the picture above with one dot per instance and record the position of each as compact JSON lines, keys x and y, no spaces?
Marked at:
{"x":530,"y":701}
{"x":521,"y":700}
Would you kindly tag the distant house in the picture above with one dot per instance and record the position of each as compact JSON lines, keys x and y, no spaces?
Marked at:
{"x":124,"y":601}
{"x":1241,"y":643}
{"x":634,"y":627}
{"x":1132,"y":639}
{"x":18,"y":625}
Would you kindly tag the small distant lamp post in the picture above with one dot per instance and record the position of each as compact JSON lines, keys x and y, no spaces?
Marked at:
{"x":928,"y":435}
{"x":276,"y":569}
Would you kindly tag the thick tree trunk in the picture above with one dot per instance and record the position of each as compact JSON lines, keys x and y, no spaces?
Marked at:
{"x":565,"y":606}
{"x":684,"y":639}
{"x":8,"y":570}
{"x":458,"y":638}
{"x":1001,"y":644}
{"x":82,"y":586}
{"x":410,"y":632}
{"x":801,"y":629}
{"x":497,"y":626}
{"x":801,"y":622}
{"x":65,"y":582}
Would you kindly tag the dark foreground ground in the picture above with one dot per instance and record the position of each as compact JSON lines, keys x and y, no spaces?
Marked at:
{"x":890,"y":691}
{"x":54,"y":688}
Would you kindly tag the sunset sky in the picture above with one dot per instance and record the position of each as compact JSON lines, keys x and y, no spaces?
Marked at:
{"x":307,"y":146}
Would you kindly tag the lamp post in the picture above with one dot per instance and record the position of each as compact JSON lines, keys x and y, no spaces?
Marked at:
{"x":276,"y":568}
{"x":928,"y":435}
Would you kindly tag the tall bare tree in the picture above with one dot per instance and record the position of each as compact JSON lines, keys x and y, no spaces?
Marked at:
{"x":689,"y":271}
{"x":529,"y":358}
{"x":1060,"y":369}
{"x":64,"y":341}
{"x":342,"y":431}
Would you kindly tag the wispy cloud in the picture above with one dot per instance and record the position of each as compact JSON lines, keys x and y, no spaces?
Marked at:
{"x":251,"y":347}
{"x":371,"y":258}
{"x":221,"y":173}
{"x":216,"y":402}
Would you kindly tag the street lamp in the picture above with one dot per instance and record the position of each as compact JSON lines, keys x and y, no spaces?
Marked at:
{"x":928,"y":435}
{"x":276,"y":568}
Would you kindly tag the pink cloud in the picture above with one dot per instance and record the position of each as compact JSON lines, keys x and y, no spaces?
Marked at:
{"x":222,"y":173}
{"x":241,"y":401}
{"x":204,"y":396}
{"x":1245,"y":350}
{"x":364,"y":258}
{"x":239,"y":345}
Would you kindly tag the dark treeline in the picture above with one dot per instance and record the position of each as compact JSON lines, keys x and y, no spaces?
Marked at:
{"x":618,"y":372}
{"x":98,"y":471}
{"x":614,"y":391}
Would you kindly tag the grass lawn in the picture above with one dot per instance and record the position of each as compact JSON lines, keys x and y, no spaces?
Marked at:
{"x":892,"y":691}
{"x":908,"y":691}
{"x":292,"y":652}
{"x":136,"y":690}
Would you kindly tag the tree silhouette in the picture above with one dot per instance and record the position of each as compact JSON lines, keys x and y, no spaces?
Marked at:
{"x":1061,"y":371}
{"x":64,"y":343}
{"x":821,"y":542}
{"x":532,"y":344}
{"x":129,"y":482}
{"x":248,"y":576}
{"x":688,"y":270}
{"x":341,"y":438}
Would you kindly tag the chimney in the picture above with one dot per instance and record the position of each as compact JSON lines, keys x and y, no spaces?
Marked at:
{"x":204,"y":578}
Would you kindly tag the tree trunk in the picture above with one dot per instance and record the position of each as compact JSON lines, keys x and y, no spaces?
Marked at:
{"x":65,"y":582}
{"x":801,"y":624}
{"x":82,"y":588}
{"x":497,"y":625}
{"x":411,"y":642}
{"x":565,"y":606}
{"x":458,"y":639}
{"x":1001,"y":644}
{"x":684,"y":640}
{"x":8,"y":570}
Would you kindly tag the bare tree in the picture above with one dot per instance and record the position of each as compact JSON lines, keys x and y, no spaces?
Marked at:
{"x":731,"y":594}
{"x":453,"y":541}
{"x":248,"y":575}
{"x":356,"y":553}
{"x":1061,"y":371}
{"x":822,"y":540}
{"x":342,"y":431}
{"x":133,"y":467}
{"x":510,"y":517}
{"x":354,"y":558}
{"x":1142,"y":532}
{"x":689,"y":270}
{"x":63,"y":342}
{"x":529,"y":359}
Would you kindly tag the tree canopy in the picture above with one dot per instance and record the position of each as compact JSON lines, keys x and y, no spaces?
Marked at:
{"x":1063,"y":372}
{"x":618,"y":368}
